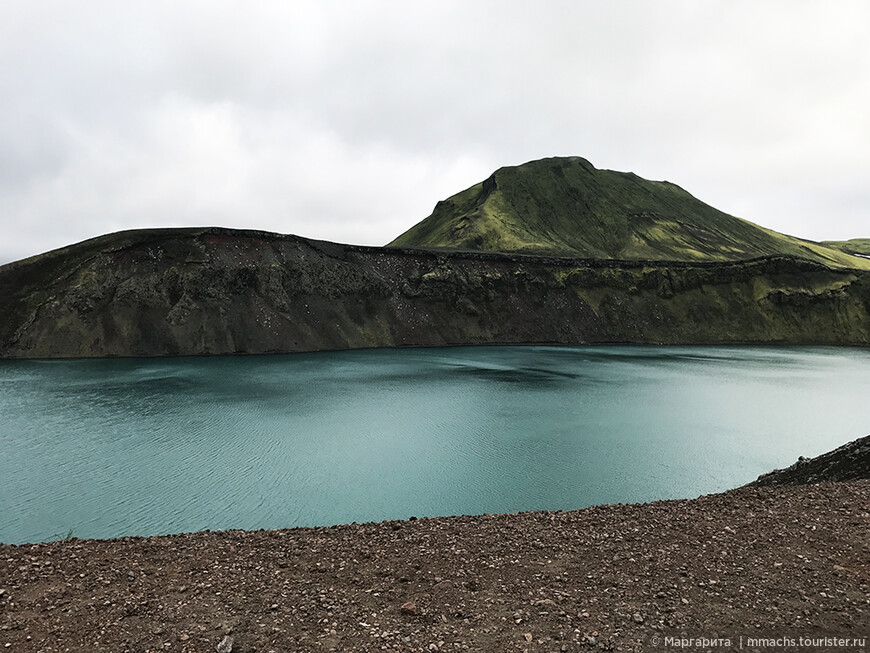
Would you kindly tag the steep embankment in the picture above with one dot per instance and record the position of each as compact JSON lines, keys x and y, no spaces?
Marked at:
{"x":214,"y":291}
{"x":846,"y":463}
{"x":566,"y":206}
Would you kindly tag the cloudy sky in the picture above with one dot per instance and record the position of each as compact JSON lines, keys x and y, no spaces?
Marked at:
{"x":348,"y":120}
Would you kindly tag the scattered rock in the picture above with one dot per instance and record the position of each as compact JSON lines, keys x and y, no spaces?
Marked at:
{"x":546,"y":575}
{"x":846,"y":463}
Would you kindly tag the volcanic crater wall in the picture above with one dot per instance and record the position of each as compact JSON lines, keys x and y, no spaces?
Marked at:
{"x":219,"y":291}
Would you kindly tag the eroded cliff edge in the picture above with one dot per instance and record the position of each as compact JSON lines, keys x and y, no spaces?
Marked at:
{"x":221,"y":291}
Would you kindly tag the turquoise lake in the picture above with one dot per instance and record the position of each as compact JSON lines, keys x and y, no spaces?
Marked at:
{"x":104,"y":448}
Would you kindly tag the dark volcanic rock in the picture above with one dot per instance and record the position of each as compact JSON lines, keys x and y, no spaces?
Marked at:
{"x":220,"y":291}
{"x":846,"y":463}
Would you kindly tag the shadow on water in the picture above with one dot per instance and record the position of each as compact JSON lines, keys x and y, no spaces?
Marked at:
{"x":527,"y":377}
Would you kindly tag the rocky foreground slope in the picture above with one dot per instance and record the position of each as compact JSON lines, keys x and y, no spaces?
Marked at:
{"x":220,"y":291}
{"x":787,"y":562}
{"x":846,"y":463}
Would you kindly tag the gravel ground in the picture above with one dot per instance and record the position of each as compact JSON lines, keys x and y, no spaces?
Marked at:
{"x":774,"y":562}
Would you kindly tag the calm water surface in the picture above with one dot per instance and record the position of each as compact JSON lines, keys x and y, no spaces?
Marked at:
{"x":105,"y":448}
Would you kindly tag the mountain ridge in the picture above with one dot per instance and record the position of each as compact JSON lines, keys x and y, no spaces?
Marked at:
{"x":651,"y":264}
{"x":197,"y":291}
{"x":565,"y":206}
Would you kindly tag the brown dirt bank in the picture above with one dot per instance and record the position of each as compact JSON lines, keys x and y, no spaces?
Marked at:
{"x":779,"y":561}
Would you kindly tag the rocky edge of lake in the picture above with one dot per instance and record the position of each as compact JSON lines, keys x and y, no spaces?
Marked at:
{"x":846,"y":463}
{"x":780,"y":561}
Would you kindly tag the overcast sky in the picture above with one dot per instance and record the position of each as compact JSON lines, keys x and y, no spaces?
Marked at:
{"x":347,"y":121}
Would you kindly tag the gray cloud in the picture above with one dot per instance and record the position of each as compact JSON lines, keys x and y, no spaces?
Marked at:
{"x":349,"y":120}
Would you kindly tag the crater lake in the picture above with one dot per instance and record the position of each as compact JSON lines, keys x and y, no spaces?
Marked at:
{"x":102,"y":448}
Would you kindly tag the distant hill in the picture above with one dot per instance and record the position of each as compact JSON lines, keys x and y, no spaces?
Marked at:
{"x":856,"y":246}
{"x":567,"y":207}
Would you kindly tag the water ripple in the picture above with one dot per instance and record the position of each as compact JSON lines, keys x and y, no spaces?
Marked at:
{"x":108,"y":448}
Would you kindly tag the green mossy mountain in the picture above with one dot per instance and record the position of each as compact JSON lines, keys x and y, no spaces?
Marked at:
{"x":219,"y":291}
{"x":564,"y":206}
{"x":554,"y":251}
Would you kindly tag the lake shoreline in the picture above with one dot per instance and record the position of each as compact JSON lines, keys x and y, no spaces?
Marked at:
{"x":783,"y":561}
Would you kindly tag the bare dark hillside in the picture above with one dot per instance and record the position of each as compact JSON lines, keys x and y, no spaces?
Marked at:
{"x":219,"y":291}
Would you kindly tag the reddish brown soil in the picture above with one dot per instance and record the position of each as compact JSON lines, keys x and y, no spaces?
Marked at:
{"x":779,"y":562}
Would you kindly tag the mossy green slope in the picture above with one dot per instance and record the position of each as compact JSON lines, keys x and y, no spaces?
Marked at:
{"x":857,"y":246}
{"x":564,"y":206}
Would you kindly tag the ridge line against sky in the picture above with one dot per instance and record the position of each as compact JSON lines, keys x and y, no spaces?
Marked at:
{"x":347,"y":121}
